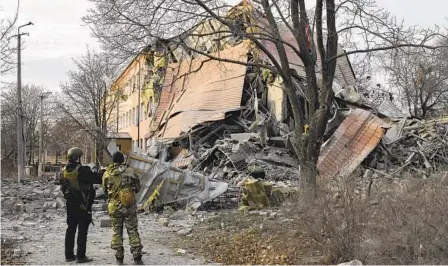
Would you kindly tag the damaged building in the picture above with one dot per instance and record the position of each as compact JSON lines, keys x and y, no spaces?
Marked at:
{"x":196,"y":128}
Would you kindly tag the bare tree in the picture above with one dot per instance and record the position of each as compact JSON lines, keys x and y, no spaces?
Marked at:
{"x":125,"y":26}
{"x":7,"y":48}
{"x":65,"y":134}
{"x":85,"y":100}
{"x":31,"y":110}
{"x":421,"y":77}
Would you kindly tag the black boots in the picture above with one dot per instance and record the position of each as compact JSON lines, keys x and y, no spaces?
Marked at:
{"x":119,"y":260}
{"x":83,"y":260}
{"x":70,"y":259}
{"x":137,"y":258}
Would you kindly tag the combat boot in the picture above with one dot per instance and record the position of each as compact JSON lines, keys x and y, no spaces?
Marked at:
{"x":119,"y":260}
{"x":138,"y":261}
{"x":137,"y":258}
{"x":85,"y":259}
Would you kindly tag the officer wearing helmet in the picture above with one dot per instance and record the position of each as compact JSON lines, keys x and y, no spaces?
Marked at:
{"x":120,"y":184}
{"x":77,"y":185}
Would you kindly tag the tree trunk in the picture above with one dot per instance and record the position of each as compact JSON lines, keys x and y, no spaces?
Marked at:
{"x":99,"y":152}
{"x":308,"y":170}
{"x":308,"y":176}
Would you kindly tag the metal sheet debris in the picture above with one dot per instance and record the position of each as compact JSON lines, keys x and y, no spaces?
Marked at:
{"x":389,"y":109}
{"x":356,"y":137}
{"x":173,"y":185}
{"x":192,"y":98}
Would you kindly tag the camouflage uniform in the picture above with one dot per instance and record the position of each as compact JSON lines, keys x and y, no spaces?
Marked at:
{"x":119,"y":180}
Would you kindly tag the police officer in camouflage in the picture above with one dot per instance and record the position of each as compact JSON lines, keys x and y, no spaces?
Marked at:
{"x":77,"y":185}
{"x":120,"y":184}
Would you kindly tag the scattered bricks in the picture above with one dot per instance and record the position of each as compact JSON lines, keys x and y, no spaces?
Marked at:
{"x":38,"y":191}
{"x":106,"y":223}
{"x":263,"y":214}
{"x":368,"y":174}
{"x":54,"y":195}
{"x":51,"y":212}
{"x":181,"y":251}
{"x":184,"y":232}
{"x":47,"y":193}
{"x":353,"y":262}
{"x":164,"y":221}
{"x":32,"y":196}
{"x":60,"y":203}
{"x":20,"y":207}
{"x":28,"y":218}
{"x":17,"y":253}
{"x":50,"y":205}
{"x":34,"y":208}
{"x":99,"y":207}
{"x":39,"y":210}
{"x":8,"y":205}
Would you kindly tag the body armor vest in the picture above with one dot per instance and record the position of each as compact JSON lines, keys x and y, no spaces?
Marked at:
{"x":72,"y":177}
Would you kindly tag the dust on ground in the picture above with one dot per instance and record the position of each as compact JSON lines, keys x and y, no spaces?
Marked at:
{"x":40,"y":240}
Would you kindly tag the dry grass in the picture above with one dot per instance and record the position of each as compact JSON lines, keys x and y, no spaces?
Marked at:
{"x":411,"y":227}
{"x":253,"y":239}
{"x":404,"y":223}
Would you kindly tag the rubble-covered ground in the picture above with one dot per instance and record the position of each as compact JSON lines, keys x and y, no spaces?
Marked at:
{"x":390,"y":221}
{"x":33,"y":225}
{"x":403,"y":221}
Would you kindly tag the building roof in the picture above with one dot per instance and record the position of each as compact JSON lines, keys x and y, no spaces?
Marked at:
{"x":200,"y":96}
{"x":344,"y":74}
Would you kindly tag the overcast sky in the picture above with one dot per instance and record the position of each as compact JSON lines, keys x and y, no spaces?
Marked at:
{"x":59,"y":35}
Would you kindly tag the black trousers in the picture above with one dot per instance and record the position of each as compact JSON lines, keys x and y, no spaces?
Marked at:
{"x":76,"y":219}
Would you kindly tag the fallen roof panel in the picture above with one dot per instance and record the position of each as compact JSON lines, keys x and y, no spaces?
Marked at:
{"x":390,"y":110}
{"x":355,"y":138}
{"x":211,"y":89}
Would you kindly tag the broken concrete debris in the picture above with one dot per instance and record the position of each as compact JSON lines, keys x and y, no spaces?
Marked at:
{"x":181,"y":251}
{"x":200,"y":168}
{"x":419,"y":146}
{"x":164,"y":221}
{"x":30,"y":197}
{"x":185,"y":231}
{"x":201,"y":150}
{"x":106,"y":222}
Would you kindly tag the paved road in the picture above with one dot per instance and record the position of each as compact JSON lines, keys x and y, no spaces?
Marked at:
{"x":45,"y":241}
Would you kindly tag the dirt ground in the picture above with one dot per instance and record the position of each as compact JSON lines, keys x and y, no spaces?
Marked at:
{"x":267,"y":236}
{"x":41,"y":240}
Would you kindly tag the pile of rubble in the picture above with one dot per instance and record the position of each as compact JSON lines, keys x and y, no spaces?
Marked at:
{"x":30,"y":197}
{"x":412,"y":145}
{"x":224,"y":153}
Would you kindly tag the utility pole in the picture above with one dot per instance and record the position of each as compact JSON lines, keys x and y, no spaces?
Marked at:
{"x":41,"y":166}
{"x":20,"y":135}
